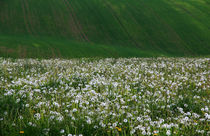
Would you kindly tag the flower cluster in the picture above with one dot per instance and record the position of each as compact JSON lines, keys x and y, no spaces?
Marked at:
{"x":135,"y":96}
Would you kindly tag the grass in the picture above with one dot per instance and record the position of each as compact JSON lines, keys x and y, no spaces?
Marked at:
{"x":108,"y":28}
{"x":33,"y":47}
{"x":147,"y":96}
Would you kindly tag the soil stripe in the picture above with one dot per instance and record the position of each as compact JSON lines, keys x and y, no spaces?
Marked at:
{"x":79,"y":25}
{"x":25,"y":19}
{"x":31,"y":22}
{"x":72,"y":21}
{"x":76,"y":21}
{"x":154,"y":45}
{"x":174,"y":36}
{"x":58,"y":19}
{"x":102,"y":28}
{"x":121,"y":24}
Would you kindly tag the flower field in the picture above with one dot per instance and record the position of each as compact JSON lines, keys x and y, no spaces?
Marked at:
{"x":135,"y":96}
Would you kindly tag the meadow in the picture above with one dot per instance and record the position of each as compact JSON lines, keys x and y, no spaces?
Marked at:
{"x":105,"y":97}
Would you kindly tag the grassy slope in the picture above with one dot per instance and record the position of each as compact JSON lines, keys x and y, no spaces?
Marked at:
{"x":88,"y":28}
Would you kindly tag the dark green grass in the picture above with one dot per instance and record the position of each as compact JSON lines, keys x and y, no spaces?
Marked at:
{"x":90,"y":28}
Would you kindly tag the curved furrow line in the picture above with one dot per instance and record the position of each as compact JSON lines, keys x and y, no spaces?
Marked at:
{"x":174,"y":36}
{"x":102,"y":28}
{"x":77,"y":22}
{"x":31,"y":23}
{"x":135,"y":21}
{"x":25,"y":18}
{"x":154,"y":45}
{"x":200,"y":7}
{"x":58,"y":18}
{"x":189,"y":13}
{"x":73,"y":25}
{"x":121,"y":24}
{"x":4,"y":13}
{"x":2,"y":17}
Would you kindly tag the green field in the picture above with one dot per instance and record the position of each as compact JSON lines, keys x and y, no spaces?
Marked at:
{"x":104,"y":28}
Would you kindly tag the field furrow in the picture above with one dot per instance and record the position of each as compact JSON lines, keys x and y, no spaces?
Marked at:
{"x":121,"y":24}
{"x":75,"y":24}
{"x":25,"y":17}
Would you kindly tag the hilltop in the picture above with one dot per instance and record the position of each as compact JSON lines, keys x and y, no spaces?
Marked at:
{"x":104,"y":28}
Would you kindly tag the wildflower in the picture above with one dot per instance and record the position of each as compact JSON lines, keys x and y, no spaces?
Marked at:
{"x":30,"y":123}
{"x":27,"y":105}
{"x":62,"y":131}
{"x":21,"y":132}
{"x":74,"y":110}
{"x":89,"y":121}
{"x":20,"y":117}
{"x":139,"y":119}
{"x":132,"y":131}
{"x":168,"y":133}
{"x":60,"y":118}
{"x":144,"y":132}
{"x":37,"y":116}
{"x":114,"y":124}
{"x":18,"y":100}
{"x":119,"y":129}
{"x":125,"y":120}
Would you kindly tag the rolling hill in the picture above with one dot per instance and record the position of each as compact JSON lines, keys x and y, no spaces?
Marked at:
{"x":104,"y":28}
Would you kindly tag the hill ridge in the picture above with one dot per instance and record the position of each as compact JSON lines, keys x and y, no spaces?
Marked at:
{"x":90,"y":28}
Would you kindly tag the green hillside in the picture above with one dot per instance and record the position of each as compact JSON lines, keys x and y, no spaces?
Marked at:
{"x":104,"y":28}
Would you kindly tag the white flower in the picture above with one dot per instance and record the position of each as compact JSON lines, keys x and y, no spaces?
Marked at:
{"x":185,"y":105}
{"x":139,"y":119}
{"x":168,"y":133}
{"x":62,"y":131}
{"x":60,"y":118}
{"x":37,"y":116}
{"x":144,"y":132}
{"x":132,"y":131}
{"x":21,"y":117}
{"x":125,"y":120}
{"x":74,"y":110}
{"x":30,"y":123}
{"x":89,"y":121}
{"x":27,"y":105}
{"x":114,"y":124}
